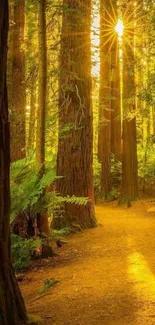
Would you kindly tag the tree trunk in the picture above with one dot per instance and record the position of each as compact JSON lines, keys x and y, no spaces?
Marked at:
{"x":104,"y":139}
{"x":153,"y":113}
{"x":17,"y":114}
{"x":42,"y":219}
{"x":12,"y":308}
{"x":115,"y":104}
{"x":116,"y":118}
{"x":40,"y":144}
{"x":10,"y":53}
{"x":129,"y":158}
{"x":32,"y":118}
{"x":75,"y":147}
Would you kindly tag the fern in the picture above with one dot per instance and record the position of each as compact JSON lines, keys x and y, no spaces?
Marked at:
{"x":76,"y":200}
{"x":48,"y":283}
{"x":28,"y":192}
{"x":22,"y":251}
{"x":56,"y":234}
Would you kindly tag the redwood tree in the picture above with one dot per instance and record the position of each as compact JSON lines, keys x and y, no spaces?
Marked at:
{"x":129,"y":156}
{"x":18,"y":102}
{"x":75,"y":147}
{"x":104,"y":138}
{"x":40,"y":145}
{"x":32,"y":117}
{"x":12,"y":308}
{"x":115,"y":103}
{"x":41,"y":112}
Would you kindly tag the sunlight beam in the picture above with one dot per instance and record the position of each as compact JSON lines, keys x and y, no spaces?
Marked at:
{"x":119,"y":28}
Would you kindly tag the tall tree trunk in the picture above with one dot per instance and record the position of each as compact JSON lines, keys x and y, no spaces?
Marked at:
{"x":12,"y":308}
{"x":116,"y":110}
{"x":129,"y":157}
{"x":42,"y":88}
{"x":17,"y":114}
{"x":75,"y":147}
{"x":153,"y":113}
{"x":32,"y":117}
{"x":10,"y":53}
{"x":32,"y":33}
{"x":115,"y":103}
{"x":43,"y":224}
{"x":104,"y":139}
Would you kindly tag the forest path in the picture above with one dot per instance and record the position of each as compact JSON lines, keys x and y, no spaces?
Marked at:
{"x":107,"y":274}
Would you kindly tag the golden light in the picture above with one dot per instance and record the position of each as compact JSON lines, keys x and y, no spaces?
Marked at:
{"x":119,"y":28}
{"x":95,"y":39}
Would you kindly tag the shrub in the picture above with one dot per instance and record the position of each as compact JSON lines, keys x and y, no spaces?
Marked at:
{"x":22,"y":251}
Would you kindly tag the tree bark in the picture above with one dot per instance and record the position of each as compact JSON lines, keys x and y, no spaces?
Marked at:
{"x":42,"y":89}
{"x":32,"y":118}
{"x":42,"y":219}
{"x":115,"y":103}
{"x":75,"y":147}
{"x":104,"y":138}
{"x":12,"y":308}
{"x":129,"y":157}
{"x":18,"y":105}
{"x":153,"y":113}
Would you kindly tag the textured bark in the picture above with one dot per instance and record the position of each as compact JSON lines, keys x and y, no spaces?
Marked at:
{"x":129,"y":158}
{"x":32,"y":118}
{"x":75,"y":147}
{"x":104,"y":138}
{"x":12,"y":308}
{"x":10,"y":54}
{"x":115,"y":103}
{"x":153,"y":113}
{"x":42,"y":223}
{"x":42,"y":219}
{"x":17,"y":114}
{"x":40,"y":144}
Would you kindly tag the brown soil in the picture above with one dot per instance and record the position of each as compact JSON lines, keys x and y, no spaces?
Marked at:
{"x":107,"y":274}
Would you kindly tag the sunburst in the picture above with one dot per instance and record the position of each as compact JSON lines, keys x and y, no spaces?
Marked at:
{"x":119,"y":28}
{"x":126,"y":21}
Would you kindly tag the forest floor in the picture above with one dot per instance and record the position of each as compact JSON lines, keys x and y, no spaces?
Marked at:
{"x":107,"y":274}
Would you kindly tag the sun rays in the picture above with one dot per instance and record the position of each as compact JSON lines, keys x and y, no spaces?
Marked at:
{"x":119,"y":28}
{"x":122,"y":23}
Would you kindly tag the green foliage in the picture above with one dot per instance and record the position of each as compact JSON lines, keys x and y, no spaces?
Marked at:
{"x":56,"y":234}
{"x":35,"y":320}
{"x":97,"y":176}
{"x":22,"y":250}
{"x":65,"y":130}
{"x":30,"y":192}
{"x":27,"y":188}
{"x":75,"y":200}
{"x":116,"y":174}
{"x":116,"y":170}
{"x":48,"y":283}
{"x":146,"y":157}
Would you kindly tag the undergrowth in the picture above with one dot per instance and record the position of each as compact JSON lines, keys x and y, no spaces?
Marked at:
{"x":30,"y":192}
{"x":22,"y":251}
{"x":116,"y":171}
{"x":32,"y":195}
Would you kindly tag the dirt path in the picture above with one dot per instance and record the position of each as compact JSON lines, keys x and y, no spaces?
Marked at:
{"x":107,"y":274}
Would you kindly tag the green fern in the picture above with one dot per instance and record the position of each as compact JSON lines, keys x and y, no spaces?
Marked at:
{"x":28,"y":192}
{"x":57,"y":234}
{"x":48,"y":283}
{"x":22,"y":251}
{"x":76,"y":200}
